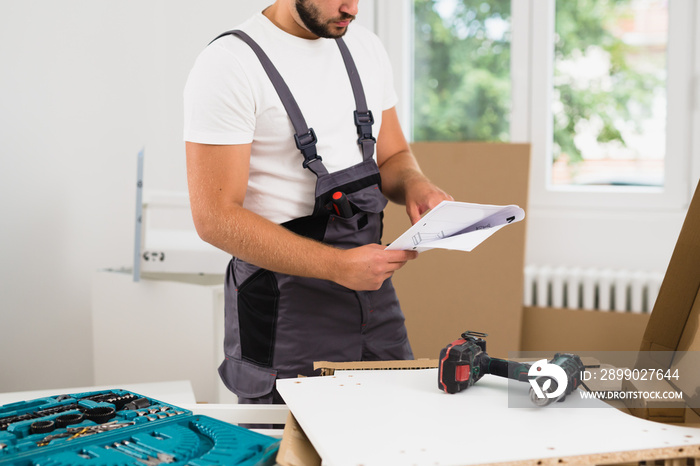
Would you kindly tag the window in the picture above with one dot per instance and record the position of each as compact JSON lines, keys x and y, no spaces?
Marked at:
{"x":461,"y":70}
{"x":645,"y":123}
{"x":609,"y":92}
{"x":600,"y":88}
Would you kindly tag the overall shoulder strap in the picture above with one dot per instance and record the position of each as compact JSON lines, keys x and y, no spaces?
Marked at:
{"x":304,"y":136}
{"x":363,"y":116}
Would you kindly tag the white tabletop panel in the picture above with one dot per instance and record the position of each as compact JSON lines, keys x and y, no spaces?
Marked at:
{"x":400,"y":417}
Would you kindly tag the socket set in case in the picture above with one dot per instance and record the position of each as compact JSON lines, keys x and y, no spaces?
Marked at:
{"x":118,"y":427}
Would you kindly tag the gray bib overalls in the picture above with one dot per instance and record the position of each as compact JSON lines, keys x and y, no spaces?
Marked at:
{"x":277,"y":325}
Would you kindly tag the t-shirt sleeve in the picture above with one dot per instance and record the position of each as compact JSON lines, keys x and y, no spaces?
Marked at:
{"x":219,"y":107}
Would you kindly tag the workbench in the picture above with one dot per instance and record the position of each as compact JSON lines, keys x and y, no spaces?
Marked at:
{"x":397,"y":417}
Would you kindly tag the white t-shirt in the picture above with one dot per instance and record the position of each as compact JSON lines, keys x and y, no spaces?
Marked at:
{"x":229,"y":99}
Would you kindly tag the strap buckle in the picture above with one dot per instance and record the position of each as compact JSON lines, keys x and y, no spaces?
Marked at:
{"x":306,"y":162}
{"x":364,"y":118}
{"x":303,"y":142}
{"x":306,"y":143}
{"x":364,"y":122}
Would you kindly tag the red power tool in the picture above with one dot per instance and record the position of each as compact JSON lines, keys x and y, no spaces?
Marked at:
{"x":464,"y":361}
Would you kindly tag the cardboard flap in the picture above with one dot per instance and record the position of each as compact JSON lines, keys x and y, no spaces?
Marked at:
{"x":679,"y":289}
{"x":671,"y":336}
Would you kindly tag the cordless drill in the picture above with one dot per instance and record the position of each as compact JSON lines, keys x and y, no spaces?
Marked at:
{"x":464,"y":361}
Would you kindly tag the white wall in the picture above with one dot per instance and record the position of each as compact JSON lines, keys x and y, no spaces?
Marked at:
{"x":602,"y":239}
{"x":84,"y":85}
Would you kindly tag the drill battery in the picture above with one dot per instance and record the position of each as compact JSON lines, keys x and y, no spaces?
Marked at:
{"x":461,"y":362}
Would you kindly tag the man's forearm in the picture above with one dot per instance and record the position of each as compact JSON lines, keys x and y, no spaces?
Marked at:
{"x":259,"y":241}
{"x":255,"y":239}
{"x":398,"y":172}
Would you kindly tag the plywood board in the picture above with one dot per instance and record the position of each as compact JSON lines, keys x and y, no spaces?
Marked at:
{"x":400,"y":417}
{"x":444,"y":293}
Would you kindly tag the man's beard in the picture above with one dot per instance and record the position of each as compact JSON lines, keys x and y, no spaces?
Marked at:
{"x":310,"y":16}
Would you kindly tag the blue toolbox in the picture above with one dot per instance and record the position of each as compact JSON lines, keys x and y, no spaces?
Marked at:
{"x":118,"y":427}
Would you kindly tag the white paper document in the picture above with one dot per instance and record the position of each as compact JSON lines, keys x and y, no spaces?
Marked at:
{"x":459,"y":226}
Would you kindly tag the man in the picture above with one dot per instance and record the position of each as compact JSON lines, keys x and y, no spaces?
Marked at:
{"x":309,"y":279}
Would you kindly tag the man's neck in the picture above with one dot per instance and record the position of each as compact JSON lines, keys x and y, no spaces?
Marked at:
{"x":283,"y":19}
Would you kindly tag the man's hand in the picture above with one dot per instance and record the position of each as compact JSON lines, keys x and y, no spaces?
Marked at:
{"x":367,"y":267}
{"x":421,"y":196}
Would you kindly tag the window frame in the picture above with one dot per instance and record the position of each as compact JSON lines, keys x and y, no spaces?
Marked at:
{"x":532,"y":53}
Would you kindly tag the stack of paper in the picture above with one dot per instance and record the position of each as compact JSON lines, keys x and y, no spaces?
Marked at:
{"x":457,"y":225}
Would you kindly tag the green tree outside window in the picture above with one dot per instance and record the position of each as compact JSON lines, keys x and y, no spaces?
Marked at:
{"x":461,"y":70}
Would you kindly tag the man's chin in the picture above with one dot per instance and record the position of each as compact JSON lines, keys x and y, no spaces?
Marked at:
{"x":335,"y":32}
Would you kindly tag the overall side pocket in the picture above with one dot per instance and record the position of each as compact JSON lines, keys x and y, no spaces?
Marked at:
{"x":258,"y":302}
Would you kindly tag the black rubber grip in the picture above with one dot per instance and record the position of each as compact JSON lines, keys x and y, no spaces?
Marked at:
{"x":508,"y":369}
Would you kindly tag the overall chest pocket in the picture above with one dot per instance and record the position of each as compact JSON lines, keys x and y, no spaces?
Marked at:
{"x":364,"y":226}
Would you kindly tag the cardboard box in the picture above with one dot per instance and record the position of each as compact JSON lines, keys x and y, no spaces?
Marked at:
{"x":551,"y":329}
{"x":444,"y":293}
{"x":295,"y":447}
{"x":673,"y":324}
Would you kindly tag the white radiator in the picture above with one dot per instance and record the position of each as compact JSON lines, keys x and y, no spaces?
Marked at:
{"x":591,"y":289}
